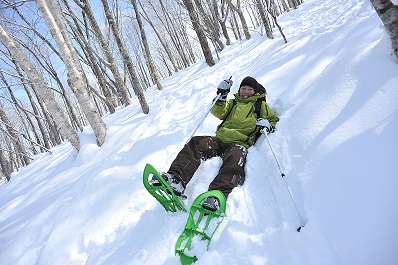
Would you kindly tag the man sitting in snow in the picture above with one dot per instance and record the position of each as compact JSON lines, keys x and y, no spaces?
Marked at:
{"x":234,"y":136}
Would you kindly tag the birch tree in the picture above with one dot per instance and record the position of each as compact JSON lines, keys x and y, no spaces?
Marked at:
{"x":264,"y":19}
{"x":24,"y":114}
{"x":273,"y":13}
{"x":388,"y":13}
{"x":239,"y":11}
{"x":222,"y":20}
{"x":148,"y":55}
{"x":111,"y":62}
{"x":12,"y":133}
{"x":126,"y":58}
{"x":175,"y":29}
{"x":209,"y":26}
{"x":163,"y":42}
{"x":82,"y":37}
{"x":52,"y":13}
{"x":43,"y":59}
{"x":42,"y":90}
{"x":199,"y":32}
{"x":5,"y":164}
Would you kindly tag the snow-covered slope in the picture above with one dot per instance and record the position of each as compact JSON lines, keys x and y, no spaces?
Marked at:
{"x":334,"y":86}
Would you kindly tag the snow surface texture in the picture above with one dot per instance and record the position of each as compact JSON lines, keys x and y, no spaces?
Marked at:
{"x":334,"y":86}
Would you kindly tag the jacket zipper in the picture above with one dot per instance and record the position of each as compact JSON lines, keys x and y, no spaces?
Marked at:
{"x":251,"y":110}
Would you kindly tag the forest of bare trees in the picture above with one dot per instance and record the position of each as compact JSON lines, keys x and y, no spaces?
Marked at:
{"x":66,"y":63}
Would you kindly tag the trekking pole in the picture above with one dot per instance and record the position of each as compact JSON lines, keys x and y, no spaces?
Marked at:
{"x":283,"y":175}
{"x":204,"y":117}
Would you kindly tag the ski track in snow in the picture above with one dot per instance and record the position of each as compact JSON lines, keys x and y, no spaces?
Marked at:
{"x":334,"y":87}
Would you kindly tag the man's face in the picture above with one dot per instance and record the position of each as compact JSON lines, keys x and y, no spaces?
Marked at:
{"x":246,"y":92}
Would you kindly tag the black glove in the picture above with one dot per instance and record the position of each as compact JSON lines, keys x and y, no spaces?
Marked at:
{"x":223,"y":89}
{"x":271,"y":129}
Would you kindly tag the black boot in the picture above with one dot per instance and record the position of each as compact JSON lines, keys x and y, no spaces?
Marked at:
{"x":211,"y":203}
{"x":174,"y":183}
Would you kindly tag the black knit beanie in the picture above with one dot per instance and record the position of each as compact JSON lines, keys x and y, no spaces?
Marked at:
{"x":251,"y":82}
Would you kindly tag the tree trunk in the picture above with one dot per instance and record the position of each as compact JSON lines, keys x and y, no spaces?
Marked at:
{"x":273,"y":15}
{"x":235,"y":27}
{"x":223,"y":19}
{"x":238,"y":10}
{"x":162,"y":42}
{"x":49,"y":68}
{"x":284,"y":6}
{"x":5,"y":164}
{"x":176,"y":33}
{"x":388,"y":13}
{"x":88,"y":51}
{"x":210,"y":27}
{"x":292,"y":4}
{"x":35,"y":110}
{"x":151,"y":63}
{"x":199,"y":32}
{"x":14,"y":136}
{"x":126,"y":58}
{"x":22,"y":113}
{"x":43,"y":92}
{"x":264,"y":19}
{"x":120,"y":86}
{"x":53,"y":16}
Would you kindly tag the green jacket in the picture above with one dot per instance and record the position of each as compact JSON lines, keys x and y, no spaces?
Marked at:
{"x":240,"y":125}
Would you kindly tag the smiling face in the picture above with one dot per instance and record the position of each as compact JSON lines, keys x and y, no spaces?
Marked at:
{"x":246,"y":92}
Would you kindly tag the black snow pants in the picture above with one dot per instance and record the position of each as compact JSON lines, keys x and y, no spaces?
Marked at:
{"x":200,"y":148}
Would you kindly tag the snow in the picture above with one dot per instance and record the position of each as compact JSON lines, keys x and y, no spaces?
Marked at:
{"x":334,"y":86}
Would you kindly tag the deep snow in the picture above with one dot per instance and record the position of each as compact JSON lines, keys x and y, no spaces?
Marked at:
{"x":334,"y":86}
